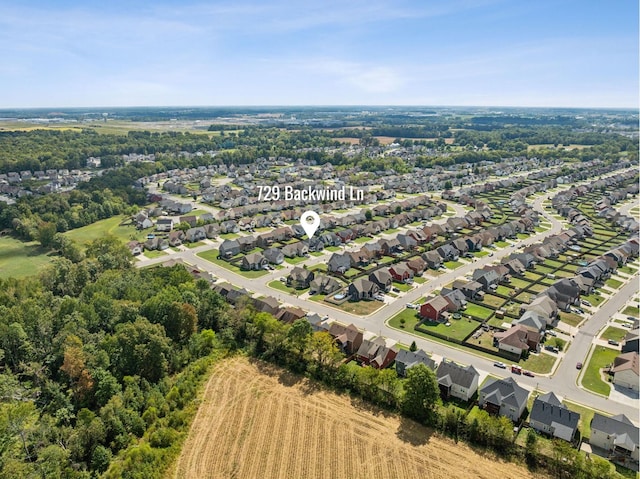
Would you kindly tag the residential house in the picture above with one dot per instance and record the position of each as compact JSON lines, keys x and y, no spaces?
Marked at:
{"x":390,"y":247}
{"x":517,"y":339}
{"x":176,"y":238}
{"x":408,"y":243}
{"x":456,"y":299}
{"x":229,"y":248}
{"x":156,"y":243}
{"x":289,"y":314}
{"x":318,"y":323}
{"x":273,"y":255}
{"x":531,"y":320}
{"x":190,"y":220}
{"x":544,"y":306}
{"x":294,"y":250}
{"x":626,"y":370}
{"x":630,"y":342}
{"x":300,"y":278}
{"x":448,"y":252}
{"x":617,"y":435}
{"x":382,"y":277}
{"x":504,"y":397}
{"x":433,"y":259}
{"x":549,"y":416}
{"x":376,"y":353}
{"x":267,"y":304}
{"x":401,"y":273}
{"x":194,"y":235}
{"x":339,"y":263}
{"x":135,"y":247}
{"x":405,"y":360}
{"x":472,"y":289}
{"x":434,"y":308}
{"x":253,"y":262}
{"x":247,"y":243}
{"x":515,"y":267}
{"x":323,"y":284}
{"x":362,"y":288}
{"x":488,"y":279}
{"x":457,"y":381}
{"x":417,"y":265}
{"x":229,"y":226}
{"x":164,"y":224}
{"x":348,"y":338}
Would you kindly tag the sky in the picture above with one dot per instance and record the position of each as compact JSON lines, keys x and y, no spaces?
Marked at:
{"x":542,"y":53}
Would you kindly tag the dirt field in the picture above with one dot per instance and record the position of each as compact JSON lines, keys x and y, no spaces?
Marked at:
{"x":257,"y":421}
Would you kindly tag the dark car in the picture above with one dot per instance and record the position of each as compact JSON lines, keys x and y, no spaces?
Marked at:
{"x":578,"y":365}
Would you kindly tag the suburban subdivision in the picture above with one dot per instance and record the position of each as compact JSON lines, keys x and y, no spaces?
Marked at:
{"x":464,"y":288}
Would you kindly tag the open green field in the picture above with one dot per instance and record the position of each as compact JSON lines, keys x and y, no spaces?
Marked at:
{"x":600,"y":358}
{"x":19,"y":259}
{"x":118,"y":226}
{"x":211,"y":255}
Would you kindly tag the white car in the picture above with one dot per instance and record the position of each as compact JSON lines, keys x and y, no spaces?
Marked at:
{"x":379,"y":297}
{"x":500,"y":365}
{"x":412,"y":306}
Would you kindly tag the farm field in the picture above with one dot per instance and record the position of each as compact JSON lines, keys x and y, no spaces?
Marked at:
{"x":256,"y":420}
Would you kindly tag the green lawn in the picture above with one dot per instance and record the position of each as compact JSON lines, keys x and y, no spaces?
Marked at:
{"x":296,"y":260}
{"x":494,"y":301}
{"x":478,"y":311}
{"x":19,"y":259}
{"x":601,"y":358}
{"x":110,"y":226}
{"x":229,"y":236}
{"x":594,"y":299}
{"x":571,"y":319}
{"x":362,"y":239}
{"x":402,"y":286}
{"x":155,"y":254}
{"x":195,"y":245}
{"x":519,"y":283}
{"x":212,"y":256}
{"x":333,"y":249}
{"x":586,"y":415}
{"x":452,"y":264}
{"x":419,"y":279}
{"x":280,"y":286}
{"x":316,"y":253}
{"x":539,"y":363}
{"x":613,"y":283}
{"x":631,"y":311}
{"x":361,"y":308}
{"x":627,"y":269}
{"x":617,"y":334}
{"x":458,"y":329}
{"x":501,"y":244}
{"x":480,"y":254}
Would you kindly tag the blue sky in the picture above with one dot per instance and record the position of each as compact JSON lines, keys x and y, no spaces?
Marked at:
{"x":295,"y":52}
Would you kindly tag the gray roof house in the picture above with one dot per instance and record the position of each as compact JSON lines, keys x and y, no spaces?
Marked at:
{"x":405,"y":360}
{"x":617,"y":435}
{"x":382,"y":277}
{"x":362,"y":288}
{"x":229,"y":248}
{"x":300,"y":278}
{"x":550,"y":417}
{"x":339,"y":263}
{"x":504,"y":397}
{"x":323,"y":284}
{"x":458,"y":381}
{"x":273,"y":255}
{"x":253,"y":261}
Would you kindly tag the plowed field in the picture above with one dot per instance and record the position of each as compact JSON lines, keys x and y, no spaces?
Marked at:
{"x":258,"y":421}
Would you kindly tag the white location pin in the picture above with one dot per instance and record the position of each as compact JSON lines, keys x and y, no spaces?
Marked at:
{"x":310,"y":222}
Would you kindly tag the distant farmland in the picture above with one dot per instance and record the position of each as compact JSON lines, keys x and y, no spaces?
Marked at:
{"x":258,"y":421}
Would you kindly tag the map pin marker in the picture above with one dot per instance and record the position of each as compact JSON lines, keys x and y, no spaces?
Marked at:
{"x":310,"y":222}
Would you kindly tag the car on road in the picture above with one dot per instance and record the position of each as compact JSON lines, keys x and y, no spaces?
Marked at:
{"x":516,"y":369}
{"x":500,"y":365}
{"x":491,"y":254}
{"x":340,"y":296}
{"x":578,"y":365}
{"x":613,"y":342}
{"x":528,"y":373}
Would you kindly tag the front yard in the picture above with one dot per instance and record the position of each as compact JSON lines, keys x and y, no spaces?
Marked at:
{"x":540,"y":363}
{"x":601,"y":358}
{"x":211,"y":255}
{"x":617,"y":334}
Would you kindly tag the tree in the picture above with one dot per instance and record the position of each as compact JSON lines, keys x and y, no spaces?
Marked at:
{"x":323,"y":353}
{"x":46,"y":233}
{"x":368,"y":215}
{"x":110,"y":253}
{"x":413,"y":346}
{"x":448,"y":185}
{"x":532,"y":447}
{"x":298,"y":338}
{"x":422,"y":394}
{"x":74,"y":367}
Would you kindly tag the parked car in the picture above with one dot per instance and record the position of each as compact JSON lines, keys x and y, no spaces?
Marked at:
{"x":395,"y":290}
{"x":613,"y":342}
{"x":516,"y":369}
{"x":626,"y":325}
{"x":631,"y":318}
{"x":411,"y":306}
{"x":283,"y":279}
{"x":500,"y":365}
{"x":585,"y":302}
{"x":551,"y":332}
{"x":379,"y":297}
{"x":578,"y":365}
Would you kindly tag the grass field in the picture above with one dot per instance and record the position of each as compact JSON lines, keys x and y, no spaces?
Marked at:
{"x":478,"y":311}
{"x":540,"y":363}
{"x":111,"y":226}
{"x":600,"y":358}
{"x":19,"y":259}
{"x":256,"y":420}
